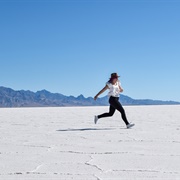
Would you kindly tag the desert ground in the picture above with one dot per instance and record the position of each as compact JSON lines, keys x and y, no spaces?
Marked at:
{"x":64,"y":143}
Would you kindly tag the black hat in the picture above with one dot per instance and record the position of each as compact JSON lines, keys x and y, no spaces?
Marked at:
{"x":114,"y":75}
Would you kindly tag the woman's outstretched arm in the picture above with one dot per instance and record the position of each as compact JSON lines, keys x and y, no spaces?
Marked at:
{"x":100,"y":92}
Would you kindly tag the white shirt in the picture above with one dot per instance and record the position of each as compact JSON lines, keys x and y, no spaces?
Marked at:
{"x":114,"y":89}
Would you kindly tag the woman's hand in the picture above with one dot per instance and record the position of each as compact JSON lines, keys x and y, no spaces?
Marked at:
{"x":121,"y":90}
{"x":95,"y":97}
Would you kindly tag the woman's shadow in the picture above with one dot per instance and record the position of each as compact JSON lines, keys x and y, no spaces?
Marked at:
{"x":86,"y":129}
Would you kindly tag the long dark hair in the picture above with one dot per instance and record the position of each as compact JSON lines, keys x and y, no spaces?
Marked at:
{"x":111,"y":79}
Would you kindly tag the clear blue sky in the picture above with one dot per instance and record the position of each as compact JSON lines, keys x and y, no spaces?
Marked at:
{"x":72,"y":46}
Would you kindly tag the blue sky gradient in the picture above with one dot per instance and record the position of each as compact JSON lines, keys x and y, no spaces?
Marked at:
{"x":72,"y":47}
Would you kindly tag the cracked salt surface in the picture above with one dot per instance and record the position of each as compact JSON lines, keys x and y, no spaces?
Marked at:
{"x":63,"y":143}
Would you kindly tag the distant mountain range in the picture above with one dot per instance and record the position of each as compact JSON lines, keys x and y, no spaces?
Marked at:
{"x":44,"y":98}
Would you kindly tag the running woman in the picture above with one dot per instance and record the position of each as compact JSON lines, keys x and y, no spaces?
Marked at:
{"x":115,"y":89}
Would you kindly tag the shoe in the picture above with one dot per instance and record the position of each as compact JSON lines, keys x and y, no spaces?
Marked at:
{"x":95,"y":119}
{"x":130,"y":125}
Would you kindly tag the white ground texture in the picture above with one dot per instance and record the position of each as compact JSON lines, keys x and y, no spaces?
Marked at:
{"x":64,"y":143}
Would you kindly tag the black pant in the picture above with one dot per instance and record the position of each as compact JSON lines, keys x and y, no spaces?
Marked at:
{"x":115,"y":104}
